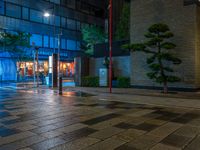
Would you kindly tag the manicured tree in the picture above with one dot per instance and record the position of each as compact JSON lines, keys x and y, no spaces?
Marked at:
{"x":92,"y":35}
{"x":123,"y":27}
{"x":159,"y":48}
{"x":15,"y":44}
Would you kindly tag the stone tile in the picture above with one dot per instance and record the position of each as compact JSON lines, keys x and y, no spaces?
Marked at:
{"x":71,"y":128}
{"x":129,"y":134}
{"x":156,"y":122}
{"x":106,"y":133}
{"x":52,"y":134}
{"x":77,"y":144}
{"x":125,"y":147}
{"x":7,"y":132}
{"x":144,"y":142}
{"x":100,"y":119}
{"x":47,"y":144}
{"x":15,"y":137}
{"x":164,"y":147}
{"x":108,"y":144}
{"x":141,"y":113}
{"x":145,"y":126}
{"x":194,"y":145}
{"x":165,"y":130}
{"x":176,"y":140}
{"x":124,"y":125}
{"x":26,"y":149}
{"x":22,"y":143}
{"x":107,"y":123}
{"x":77,"y":134}
{"x":188,"y":131}
{"x":27,"y":127}
{"x":44,"y":129}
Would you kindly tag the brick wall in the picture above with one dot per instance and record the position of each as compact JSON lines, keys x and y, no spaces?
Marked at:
{"x":182,"y":21}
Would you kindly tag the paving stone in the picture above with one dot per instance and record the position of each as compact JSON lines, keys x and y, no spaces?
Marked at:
{"x":144,"y":142}
{"x":194,"y":145}
{"x":165,"y":130}
{"x":107,"y":123}
{"x":164,"y":147}
{"x":100,"y":119}
{"x":52,"y":134}
{"x":124,"y":125}
{"x":25,"y":149}
{"x":44,"y":129}
{"x":7,"y":132}
{"x":176,"y":140}
{"x":156,"y":122}
{"x":106,"y":133}
{"x":125,"y":147}
{"x":22,"y":143}
{"x":108,"y":144}
{"x":15,"y":137}
{"x":129,"y":134}
{"x":145,"y":126}
{"x":77,"y":134}
{"x":47,"y":144}
{"x":188,"y":131}
{"x":71,"y":128}
{"x":77,"y":144}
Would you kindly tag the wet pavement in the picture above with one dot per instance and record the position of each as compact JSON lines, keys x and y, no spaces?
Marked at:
{"x":41,"y":119}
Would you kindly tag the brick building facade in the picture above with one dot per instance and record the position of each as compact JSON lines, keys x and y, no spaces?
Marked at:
{"x":183,"y":19}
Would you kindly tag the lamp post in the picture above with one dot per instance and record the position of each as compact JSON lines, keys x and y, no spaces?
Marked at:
{"x":110,"y":43}
{"x":47,"y":15}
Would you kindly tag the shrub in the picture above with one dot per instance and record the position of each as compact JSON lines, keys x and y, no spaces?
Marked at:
{"x":89,"y":81}
{"x":123,"y":82}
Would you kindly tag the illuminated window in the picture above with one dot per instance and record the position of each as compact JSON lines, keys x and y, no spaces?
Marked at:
{"x":37,"y":39}
{"x":46,"y":41}
{"x":71,"y":45}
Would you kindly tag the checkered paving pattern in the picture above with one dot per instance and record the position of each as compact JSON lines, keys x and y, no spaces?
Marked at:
{"x":41,"y":120}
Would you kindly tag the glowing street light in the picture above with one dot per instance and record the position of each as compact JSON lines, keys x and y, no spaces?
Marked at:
{"x":46,"y":14}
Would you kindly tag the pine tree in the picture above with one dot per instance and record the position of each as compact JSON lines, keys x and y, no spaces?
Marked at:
{"x":161,"y":57}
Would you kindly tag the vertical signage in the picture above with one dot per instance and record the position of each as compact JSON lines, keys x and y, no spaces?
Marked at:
{"x":103,"y":77}
{"x":55,"y":70}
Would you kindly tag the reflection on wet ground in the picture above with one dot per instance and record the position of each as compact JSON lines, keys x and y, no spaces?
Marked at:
{"x":41,"y":119}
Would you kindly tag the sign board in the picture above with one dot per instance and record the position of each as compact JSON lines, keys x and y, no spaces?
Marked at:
{"x":103,"y":77}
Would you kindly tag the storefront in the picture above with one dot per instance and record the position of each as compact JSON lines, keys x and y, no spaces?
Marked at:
{"x":26,"y":69}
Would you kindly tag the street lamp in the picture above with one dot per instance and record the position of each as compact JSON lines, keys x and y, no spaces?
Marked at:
{"x":110,"y":42}
{"x":47,"y":15}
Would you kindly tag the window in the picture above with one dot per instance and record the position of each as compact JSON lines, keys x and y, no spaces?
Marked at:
{"x":25,"y":13}
{"x":78,"y":45}
{"x":71,"y":24}
{"x":78,"y":25}
{"x":36,"y":16}
{"x":57,"y":20}
{"x":64,"y":22}
{"x":13,"y":10}
{"x":55,"y":1}
{"x":63,"y":44}
{"x":1,"y":7}
{"x":37,"y":39}
{"x":71,"y":44}
{"x":51,"y":42}
{"x":46,"y":41}
{"x":46,"y":20}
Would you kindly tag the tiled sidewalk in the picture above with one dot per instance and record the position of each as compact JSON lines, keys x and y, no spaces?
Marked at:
{"x":41,"y":120}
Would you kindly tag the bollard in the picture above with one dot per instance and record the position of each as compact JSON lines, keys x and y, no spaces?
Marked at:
{"x":60,"y":85}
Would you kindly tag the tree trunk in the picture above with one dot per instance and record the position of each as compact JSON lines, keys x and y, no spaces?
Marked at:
{"x":165,"y":88}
